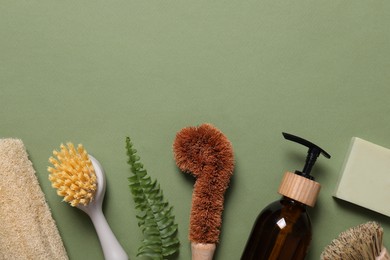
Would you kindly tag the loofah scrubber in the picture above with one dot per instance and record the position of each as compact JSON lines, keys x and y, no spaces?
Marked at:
{"x":27,"y":228}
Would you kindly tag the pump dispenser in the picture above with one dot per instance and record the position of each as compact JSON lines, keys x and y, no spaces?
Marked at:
{"x":282,"y":231}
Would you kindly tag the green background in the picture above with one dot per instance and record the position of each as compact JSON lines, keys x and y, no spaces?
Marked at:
{"x":94,"y":72}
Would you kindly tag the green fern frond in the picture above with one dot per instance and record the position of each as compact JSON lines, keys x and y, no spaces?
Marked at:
{"x":155,"y":216}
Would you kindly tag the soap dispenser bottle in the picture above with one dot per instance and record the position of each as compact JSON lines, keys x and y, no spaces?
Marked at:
{"x":282,"y":231}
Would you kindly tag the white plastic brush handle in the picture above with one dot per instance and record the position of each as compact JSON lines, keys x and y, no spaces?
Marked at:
{"x":112,"y":250}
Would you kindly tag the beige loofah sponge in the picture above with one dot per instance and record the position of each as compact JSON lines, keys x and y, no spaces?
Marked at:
{"x":27,"y":229}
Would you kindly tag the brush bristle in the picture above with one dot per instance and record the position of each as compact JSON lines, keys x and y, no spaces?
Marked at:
{"x":73,"y":175}
{"x":203,"y":149}
{"x":207,"y":154}
{"x":363,"y":242}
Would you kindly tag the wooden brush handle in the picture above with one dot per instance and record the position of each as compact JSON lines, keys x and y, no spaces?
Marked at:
{"x":202,"y":251}
{"x":384,"y":255}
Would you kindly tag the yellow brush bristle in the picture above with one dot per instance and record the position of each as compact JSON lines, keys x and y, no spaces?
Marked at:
{"x":73,"y":174}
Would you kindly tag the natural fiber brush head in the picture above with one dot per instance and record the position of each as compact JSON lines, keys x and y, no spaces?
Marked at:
{"x":73,"y":175}
{"x":363,"y":242}
{"x":203,"y":150}
{"x":207,"y":154}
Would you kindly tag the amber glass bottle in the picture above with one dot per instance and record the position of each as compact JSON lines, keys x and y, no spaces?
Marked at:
{"x":282,"y":231}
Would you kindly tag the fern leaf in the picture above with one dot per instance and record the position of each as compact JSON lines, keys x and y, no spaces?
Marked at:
{"x":155,"y":216}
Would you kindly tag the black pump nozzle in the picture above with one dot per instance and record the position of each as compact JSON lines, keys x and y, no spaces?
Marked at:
{"x":312,"y":154}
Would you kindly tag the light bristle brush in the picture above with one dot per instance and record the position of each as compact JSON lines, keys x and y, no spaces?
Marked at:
{"x":80,"y":179}
{"x":363,"y":242}
{"x":207,"y":154}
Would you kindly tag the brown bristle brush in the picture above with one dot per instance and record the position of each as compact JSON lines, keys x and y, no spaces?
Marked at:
{"x":207,"y":154}
{"x":363,"y":242}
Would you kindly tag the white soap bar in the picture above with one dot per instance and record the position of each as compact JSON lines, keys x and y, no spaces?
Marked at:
{"x":365,"y":176}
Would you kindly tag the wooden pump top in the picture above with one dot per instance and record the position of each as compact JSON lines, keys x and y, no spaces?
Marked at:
{"x":299,"y":188}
